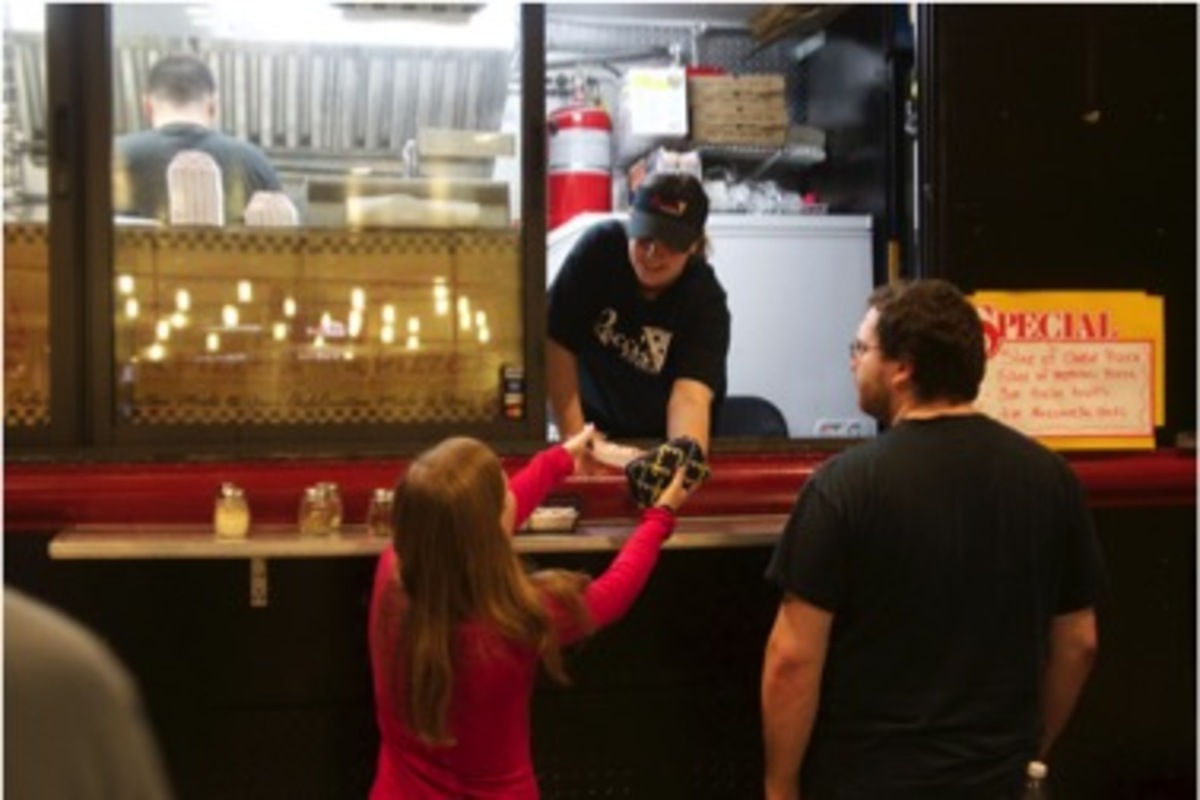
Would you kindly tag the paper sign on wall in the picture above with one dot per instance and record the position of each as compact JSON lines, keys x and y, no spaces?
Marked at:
{"x":1077,"y":370}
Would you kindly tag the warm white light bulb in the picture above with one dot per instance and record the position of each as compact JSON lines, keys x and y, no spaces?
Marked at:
{"x":162,"y":330}
{"x":387,"y":334}
{"x":156,"y":352}
{"x":132,"y":308}
{"x":485,"y":336}
{"x":413,"y":343}
{"x":358,"y":299}
{"x":464,"y":313}
{"x":441,"y":307}
{"x":245,"y":292}
{"x":414,"y":325}
{"x":179,"y":319}
{"x":212,"y":343}
{"x":389,"y":314}
{"x":279,"y":331}
{"x":229,"y":316}
{"x":289,"y":307}
{"x":355,"y":322}
{"x":125,"y":284}
{"x":183,"y":300}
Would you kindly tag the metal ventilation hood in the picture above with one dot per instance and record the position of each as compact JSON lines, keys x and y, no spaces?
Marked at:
{"x":298,"y":102}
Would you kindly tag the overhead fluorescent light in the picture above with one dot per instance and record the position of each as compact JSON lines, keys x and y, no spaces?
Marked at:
{"x":448,"y":13}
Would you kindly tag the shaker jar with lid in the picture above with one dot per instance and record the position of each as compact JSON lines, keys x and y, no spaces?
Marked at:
{"x":231,"y":512}
{"x":379,"y":513}
{"x":313,"y":517}
{"x":333,"y":499}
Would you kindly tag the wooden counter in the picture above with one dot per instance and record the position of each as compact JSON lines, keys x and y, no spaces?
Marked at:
{"x":282,"y":541}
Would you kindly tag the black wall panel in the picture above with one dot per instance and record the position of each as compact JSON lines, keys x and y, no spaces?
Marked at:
{"x":1059,"y":152}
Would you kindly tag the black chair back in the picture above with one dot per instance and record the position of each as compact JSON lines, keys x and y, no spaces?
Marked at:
{"x":745,"y":415}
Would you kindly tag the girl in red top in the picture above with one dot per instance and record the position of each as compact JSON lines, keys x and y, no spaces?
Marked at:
{"x":458,"y":628}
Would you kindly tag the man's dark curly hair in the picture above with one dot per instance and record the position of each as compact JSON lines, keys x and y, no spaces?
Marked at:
{"x":932,"y":326}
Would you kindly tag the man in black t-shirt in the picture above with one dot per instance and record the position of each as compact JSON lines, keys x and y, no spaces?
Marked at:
{"x":939,"y":582}
{"x":180,"y":102}
{"x":638,"y":323}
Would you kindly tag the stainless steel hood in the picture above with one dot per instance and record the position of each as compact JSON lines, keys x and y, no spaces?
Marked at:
{"x":298,"y":102}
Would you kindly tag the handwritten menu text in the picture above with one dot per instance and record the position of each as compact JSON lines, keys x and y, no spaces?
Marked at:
{"x":1072,"y":388}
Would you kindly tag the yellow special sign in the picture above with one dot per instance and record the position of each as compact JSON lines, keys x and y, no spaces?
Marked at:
{"x":1077,"y":370}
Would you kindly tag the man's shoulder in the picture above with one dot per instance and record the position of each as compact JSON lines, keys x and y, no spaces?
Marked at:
{"x":601,"y":248}
{"x":1018,"y":442}
{"x":219,"y":141}
{"x":700,"y":285}
{"x":845,"y":465}
{"x":140,"y":142}
{"x":607,"y":235}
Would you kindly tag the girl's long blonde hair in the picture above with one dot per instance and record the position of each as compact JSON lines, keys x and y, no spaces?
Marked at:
{"x":458,"y":564}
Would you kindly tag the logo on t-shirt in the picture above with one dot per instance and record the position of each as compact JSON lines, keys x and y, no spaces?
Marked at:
{"x":647,"y":353}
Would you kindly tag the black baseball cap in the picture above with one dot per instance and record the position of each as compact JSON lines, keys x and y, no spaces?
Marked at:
{"x":670,"y":207}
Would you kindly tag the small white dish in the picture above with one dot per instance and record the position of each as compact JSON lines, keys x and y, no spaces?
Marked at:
{"x":552,"y":518}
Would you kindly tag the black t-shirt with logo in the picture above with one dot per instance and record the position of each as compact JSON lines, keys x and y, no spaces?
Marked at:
{"x":630,"y":350}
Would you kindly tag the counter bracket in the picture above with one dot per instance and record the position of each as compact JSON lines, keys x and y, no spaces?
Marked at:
{"x":259,"y":586}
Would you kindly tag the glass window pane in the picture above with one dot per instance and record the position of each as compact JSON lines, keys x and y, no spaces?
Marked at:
{"x":314,"y":327}
{"x":26,"y":244}
{"x":327,"y":232}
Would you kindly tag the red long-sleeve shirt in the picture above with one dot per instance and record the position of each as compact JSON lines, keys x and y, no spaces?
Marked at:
{"x":493,"y":677}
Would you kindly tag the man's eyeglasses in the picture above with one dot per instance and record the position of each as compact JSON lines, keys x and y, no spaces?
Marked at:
{"x":858,"y":348}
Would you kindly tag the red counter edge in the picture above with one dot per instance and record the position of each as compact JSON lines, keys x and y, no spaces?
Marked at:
{"x":47,"y":497}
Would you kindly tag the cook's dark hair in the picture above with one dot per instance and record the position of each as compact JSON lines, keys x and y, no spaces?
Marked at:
{"x":181,"y":79}
{"x":932,"y":326}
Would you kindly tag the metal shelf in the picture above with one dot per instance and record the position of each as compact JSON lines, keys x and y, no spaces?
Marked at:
{"x":797,"y":155}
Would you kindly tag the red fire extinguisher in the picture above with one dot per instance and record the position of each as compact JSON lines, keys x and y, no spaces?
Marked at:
{"x":580,"y":162}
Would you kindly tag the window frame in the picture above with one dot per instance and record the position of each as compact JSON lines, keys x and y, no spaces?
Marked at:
{"x":79,"y":44}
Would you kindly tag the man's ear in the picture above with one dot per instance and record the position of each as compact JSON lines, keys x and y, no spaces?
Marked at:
{"x":902,"y":373}
{"x":148,"y":109}
{"x":210,"y":107}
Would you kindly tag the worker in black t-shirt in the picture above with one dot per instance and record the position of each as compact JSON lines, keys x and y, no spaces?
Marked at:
{"x":639,"y":324}
{"x":180,"y":102}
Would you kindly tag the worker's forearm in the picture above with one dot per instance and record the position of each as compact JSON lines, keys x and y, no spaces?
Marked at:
{"x":689,"y":416}
{"x":562,"y":385}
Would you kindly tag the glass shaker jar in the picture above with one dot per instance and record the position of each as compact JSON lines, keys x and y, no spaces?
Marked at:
{"x":231,"y":512}
{"x":333,"y":507}
{"x":379,"y":513}
{"x":313,"y":518}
